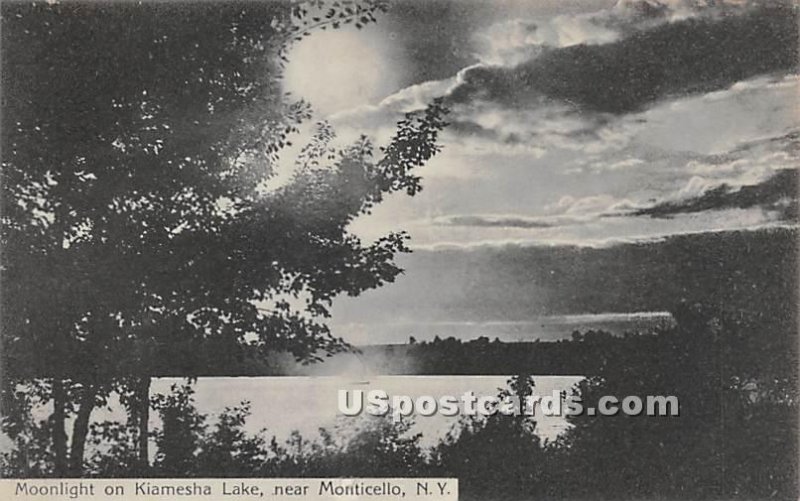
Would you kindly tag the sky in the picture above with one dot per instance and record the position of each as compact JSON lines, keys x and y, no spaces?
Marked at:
{"x":588,"y":124}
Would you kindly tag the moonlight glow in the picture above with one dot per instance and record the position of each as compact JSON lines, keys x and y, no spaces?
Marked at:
{"x":339,"y":70}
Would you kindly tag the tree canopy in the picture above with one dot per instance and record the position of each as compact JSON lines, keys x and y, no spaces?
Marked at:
{"x":140,"y":220}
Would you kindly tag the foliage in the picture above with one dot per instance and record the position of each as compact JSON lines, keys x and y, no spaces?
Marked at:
{"x":189,"y":446}
{"x":137,"y":209}
{"x":140,"y":213}
{"x":497,"y":457}
{"x":730,"y":438}
{"x":31,"y":454}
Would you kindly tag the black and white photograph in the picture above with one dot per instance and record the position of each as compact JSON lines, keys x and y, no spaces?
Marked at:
{"x":476,"y":250}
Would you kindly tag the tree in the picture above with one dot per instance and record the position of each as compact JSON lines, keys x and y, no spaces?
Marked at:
{"x":181,"y":434}
{"x":729,"y":439}
{"x":369,"y":446}
{"x":139,"y":141}
{"x":497,"y":457}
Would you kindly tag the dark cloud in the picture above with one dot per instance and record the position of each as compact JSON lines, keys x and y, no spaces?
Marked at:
{"x":466,"y":128}
{"x":518,"y":283}
{"x":495,"y":221}
{"x":435,"y":39}
{"x":778,"y":193}
{"x":675,"y":58}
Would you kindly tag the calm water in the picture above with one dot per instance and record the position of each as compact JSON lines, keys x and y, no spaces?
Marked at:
{"x":281,"y":405}
{"x":284,"y":404}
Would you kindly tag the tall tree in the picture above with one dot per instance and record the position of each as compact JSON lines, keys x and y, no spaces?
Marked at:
{"x":139,"y":146}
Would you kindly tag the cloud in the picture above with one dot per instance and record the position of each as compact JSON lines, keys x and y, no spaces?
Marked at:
{"x":592,"y":93}
{"x":521,"y":164}
{"x":750,"y":162}
{"x":607,"y":231}
{"x":779,"y":194}
{"x":626,"y":164}
{"x":568,"y":211}
{"x":515,"y":283}
{"x":739,"y":134}
{"x":494,"y":221}
{"x":719,"y":121}
{"x":682,"y":57}
{"x":513,"y":42}
{"x":595,"y":205}
{"x":775,"y":199}
{"x":679,"y":9}
{"x":537,"y":128}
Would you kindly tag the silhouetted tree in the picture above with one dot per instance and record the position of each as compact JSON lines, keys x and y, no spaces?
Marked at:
{"x":139,"y":144}
{"x":496,"y":457}
{"x":726,"y":442}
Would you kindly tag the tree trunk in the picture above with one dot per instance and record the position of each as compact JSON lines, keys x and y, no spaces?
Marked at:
{"x":143,"y":401}
{"x":80,"y":430}
{"x":58,"y":432}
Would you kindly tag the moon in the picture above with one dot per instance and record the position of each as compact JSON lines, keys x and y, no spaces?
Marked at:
{"x":339,"y":70}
